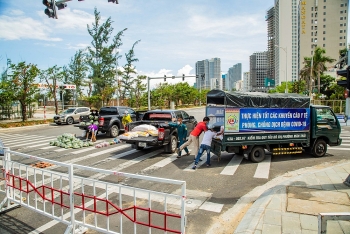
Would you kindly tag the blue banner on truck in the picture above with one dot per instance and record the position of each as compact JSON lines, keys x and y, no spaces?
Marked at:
{"x":266,"y":119}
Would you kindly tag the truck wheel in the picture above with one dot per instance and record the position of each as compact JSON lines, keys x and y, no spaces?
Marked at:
{"x":320,"y":148}
{"x":257,"y":154}
{"x":70,"y":120}
{"x":171,"y":147}
{"x":114,"y":131}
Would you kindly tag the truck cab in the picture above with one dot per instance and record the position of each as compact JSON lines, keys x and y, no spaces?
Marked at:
{"x":325,"y":129}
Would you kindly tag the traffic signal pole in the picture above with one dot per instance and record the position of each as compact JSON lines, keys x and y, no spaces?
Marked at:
{"x":165,"y":77}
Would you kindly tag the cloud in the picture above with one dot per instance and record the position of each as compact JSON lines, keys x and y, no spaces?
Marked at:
{"x":16,"y":12}
{"x":185,"y":70}
{"x":73,"y":19}
{"x":160,"y":74}
{"x":236,"y":26}
{"x":77,"y":46}
{"x":18,"y":27}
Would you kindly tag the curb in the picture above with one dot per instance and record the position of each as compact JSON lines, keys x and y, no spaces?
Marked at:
{"x":22,"y":127}
{"x":261,"y":195}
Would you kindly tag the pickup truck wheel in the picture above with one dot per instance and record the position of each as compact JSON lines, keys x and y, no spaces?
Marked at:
{"x":171,"y":147}
{"x":114,"y":131}
{"x":257,"y":154}
{"x":70,"y":120}
{"x":320,"y":148}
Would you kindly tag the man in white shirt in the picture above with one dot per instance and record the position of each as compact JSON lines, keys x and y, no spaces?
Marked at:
{"x":205,"y":146}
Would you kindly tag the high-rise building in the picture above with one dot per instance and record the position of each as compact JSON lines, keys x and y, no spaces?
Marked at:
{"x":234,"y":74}
{"x":246,"y":82}
{"x":323,"y":24}
{"x":258,"y":71}
{"x":223,"y":76}
{"x":295,"y":27}
{"x":270,"y":18}
{"x":211,"y":68}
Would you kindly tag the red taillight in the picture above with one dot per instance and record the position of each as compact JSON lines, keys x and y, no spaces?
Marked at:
{"x":161,"y":134}
{"x":101,"y":121}
{"x":126,"y":128}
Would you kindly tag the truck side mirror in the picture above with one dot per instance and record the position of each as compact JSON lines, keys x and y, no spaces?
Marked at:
{"x":191,"y":117}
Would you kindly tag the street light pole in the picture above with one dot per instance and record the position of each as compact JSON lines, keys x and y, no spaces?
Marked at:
{"x":285,"y":50}
{"x":311,"y":67}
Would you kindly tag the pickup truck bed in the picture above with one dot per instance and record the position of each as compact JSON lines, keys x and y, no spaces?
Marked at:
{"x":167,"y":135}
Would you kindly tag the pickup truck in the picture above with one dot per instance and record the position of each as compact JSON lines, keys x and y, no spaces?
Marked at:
{"x":110,"y":119}
{"x":167,"y":135}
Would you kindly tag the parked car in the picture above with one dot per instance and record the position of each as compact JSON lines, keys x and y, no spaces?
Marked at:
{"x":110,"y":119}
{"x":71,"y":115}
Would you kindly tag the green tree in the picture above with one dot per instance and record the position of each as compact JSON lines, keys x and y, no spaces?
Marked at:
{"x":319,"y":61}
{"x":127,"y":79}
{"x":52,"y":77}
{"x":298,"y":86}
{"x":282,"y":88}
{"x":7,"y":95}
{"x":101,"y":59}
{"x":139,"y":89}
{"x":22,"y":78}
{"x":75,"y":72}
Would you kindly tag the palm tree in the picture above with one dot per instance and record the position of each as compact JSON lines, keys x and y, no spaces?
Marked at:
{"x":319,"y":61}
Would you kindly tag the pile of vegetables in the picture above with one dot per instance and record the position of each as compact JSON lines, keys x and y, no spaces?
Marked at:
{"x":93,"y":120}
{"x":68,"y":140}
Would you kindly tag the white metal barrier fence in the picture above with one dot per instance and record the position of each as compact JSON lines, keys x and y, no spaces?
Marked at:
{"x":99,"y":205}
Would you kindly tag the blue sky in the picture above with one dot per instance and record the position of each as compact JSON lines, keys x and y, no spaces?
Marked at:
{"x":174,"y":34}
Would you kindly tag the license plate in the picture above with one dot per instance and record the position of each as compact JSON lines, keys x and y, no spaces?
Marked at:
{"x":142,"y":144}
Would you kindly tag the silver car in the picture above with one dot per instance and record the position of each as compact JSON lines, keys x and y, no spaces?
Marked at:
{"x":71,"y":115}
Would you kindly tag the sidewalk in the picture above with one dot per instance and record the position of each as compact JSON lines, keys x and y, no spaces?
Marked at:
{"x":293,"y":205}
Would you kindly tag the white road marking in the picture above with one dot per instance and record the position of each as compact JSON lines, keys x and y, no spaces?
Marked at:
{"x":33,"y":146}
{"x":232,"y":166}
{"x":27,"y":142}
{"x":263,"y":169}
{"x":24,"y":139}
{"x":200,"y":163}
{"x":60,"y":150}
{"x":336,"y":148}
{"x":160,"y":164}
{"x":48,"y":147}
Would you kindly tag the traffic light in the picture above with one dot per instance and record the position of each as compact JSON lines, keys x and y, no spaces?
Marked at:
{"x":348,"y":78}
{"x":113,"y":1}
{"x":50,"y":10}
{"x":164,"y":77}
{"x":183,"y":77}
{"x":61,"y":6}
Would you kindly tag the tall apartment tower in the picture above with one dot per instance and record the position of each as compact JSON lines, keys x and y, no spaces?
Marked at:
{"x":258,"y":71}
{"x":323,"y":24}
{"x":270,"y":18}
{"x":211,"y":68}
{"x":286,"y":41}
{"x":234,"y":74}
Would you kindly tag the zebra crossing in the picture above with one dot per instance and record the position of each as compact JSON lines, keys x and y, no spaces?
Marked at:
{"x":25,"y":142}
